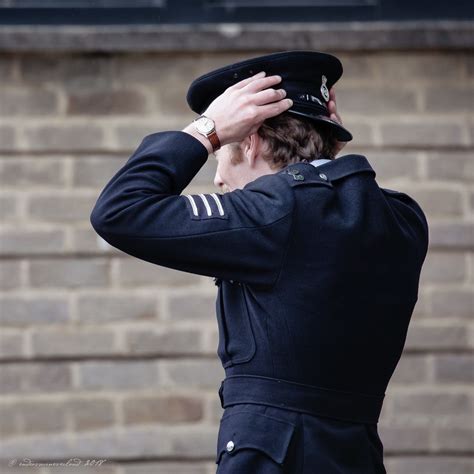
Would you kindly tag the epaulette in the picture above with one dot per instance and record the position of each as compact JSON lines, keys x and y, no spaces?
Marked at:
{"x":300,"y":174}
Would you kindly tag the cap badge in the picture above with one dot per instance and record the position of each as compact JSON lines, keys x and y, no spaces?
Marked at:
{"x":324,"y":89}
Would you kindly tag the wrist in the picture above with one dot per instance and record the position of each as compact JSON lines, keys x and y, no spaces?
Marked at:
{"x":191,"y":129}
{"x":206,"y":126}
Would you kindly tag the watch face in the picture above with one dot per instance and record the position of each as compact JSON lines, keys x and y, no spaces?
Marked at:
{"x":205,"y":125}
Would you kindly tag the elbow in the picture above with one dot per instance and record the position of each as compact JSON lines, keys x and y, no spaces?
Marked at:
{"x":97,"y":220}
{"x":99,"y":224}
{"x":106,"y":223}
{"x":96,"y":224}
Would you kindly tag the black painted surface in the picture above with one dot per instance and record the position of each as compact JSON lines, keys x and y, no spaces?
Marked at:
{"x":89,"y":12}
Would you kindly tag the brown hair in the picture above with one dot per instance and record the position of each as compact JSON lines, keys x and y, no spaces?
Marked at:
{"x":289,"y":139}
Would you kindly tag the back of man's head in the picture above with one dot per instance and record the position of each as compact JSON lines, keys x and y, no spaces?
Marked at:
{"x":289,"y":139}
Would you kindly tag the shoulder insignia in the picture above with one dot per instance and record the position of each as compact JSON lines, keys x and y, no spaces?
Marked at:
{"x":205,"y":206}
{"x":308,"y":178}
{"x":297,"y":176}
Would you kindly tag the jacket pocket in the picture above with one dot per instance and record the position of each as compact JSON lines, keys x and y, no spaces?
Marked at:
{"x":236,"y":337}
{"x":257,"y":431}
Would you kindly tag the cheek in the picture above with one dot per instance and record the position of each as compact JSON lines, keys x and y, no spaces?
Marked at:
{"x":220,"y":172}
{"x":225,"y":170}
{"x":233,"y":174}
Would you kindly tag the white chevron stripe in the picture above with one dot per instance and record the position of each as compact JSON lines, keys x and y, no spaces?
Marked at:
{"x":206,"y":204}
{"x":219,"y":205}
{"x":193,"y":204}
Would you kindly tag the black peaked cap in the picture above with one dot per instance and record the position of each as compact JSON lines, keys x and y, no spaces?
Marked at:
{"x":306,"y":76}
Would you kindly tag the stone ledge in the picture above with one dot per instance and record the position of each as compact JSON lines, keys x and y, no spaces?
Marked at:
{"x":347,"y":36}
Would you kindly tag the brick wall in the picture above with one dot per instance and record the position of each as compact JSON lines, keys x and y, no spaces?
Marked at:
{"x":108,"y":357}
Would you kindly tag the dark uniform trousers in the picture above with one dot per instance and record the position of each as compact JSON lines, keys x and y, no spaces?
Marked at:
{"x":270,"y":440}
{"x":317,"y":270}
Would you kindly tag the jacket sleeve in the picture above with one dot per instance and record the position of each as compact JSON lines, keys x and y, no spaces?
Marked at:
{"x":412,"y":220}
{"x":240,"y":235}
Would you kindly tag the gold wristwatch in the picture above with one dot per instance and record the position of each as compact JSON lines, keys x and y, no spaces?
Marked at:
{"x":206,"y":126}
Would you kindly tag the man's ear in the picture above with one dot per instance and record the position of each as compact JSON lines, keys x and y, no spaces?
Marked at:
{"x":251,"y":147}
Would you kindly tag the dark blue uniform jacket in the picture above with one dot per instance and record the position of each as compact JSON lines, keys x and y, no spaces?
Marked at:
{"x":317,"y":271}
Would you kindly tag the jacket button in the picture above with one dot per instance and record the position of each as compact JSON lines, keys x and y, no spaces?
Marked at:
{"x":230,"y":446}
{"x":323,"y":176}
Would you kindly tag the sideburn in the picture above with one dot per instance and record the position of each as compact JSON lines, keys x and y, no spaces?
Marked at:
{"x":236,"y":155}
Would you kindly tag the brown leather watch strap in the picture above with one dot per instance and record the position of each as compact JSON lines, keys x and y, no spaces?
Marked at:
{"x":214,"y":139}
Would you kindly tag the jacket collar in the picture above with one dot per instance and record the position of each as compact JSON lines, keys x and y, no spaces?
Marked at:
{"x":327,"y":172}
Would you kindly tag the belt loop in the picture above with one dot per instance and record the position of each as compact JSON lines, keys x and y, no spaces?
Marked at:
{"x":221,"y":397}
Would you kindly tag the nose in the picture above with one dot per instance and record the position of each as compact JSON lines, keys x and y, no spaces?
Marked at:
{"x":218,"y":181}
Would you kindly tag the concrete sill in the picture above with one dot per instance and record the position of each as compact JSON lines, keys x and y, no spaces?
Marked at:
{"x":350,"y":36}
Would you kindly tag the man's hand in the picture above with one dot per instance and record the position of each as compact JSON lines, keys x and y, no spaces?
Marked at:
{"x":242,"y":108}
{"x":333,"y":115}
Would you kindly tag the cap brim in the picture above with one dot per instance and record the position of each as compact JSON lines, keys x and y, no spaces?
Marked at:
{"x":341,"y":133}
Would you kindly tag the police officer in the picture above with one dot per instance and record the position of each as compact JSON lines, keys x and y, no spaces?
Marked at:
{"x":317,"y":267}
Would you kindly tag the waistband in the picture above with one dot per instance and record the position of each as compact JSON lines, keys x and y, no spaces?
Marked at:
{"x":347,"y":406}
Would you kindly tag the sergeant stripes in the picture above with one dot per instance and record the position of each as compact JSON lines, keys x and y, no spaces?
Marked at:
{"x":193,"y":204}
{"x":207,"y":208}
{"x":206,"y":204}
{"x":219,"y":205}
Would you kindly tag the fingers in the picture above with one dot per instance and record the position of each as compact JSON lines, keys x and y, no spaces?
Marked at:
{"x":332,"y":106}
{"x":333,"y":115}
{"x":275,"y":108}
{"x":332,"y":102}
{"x":244,"y":82}
{"x":268,"y":95}
{"x":261,"y":83}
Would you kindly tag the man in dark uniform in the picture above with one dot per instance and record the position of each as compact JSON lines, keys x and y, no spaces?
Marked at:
{"x":317,"y":267}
